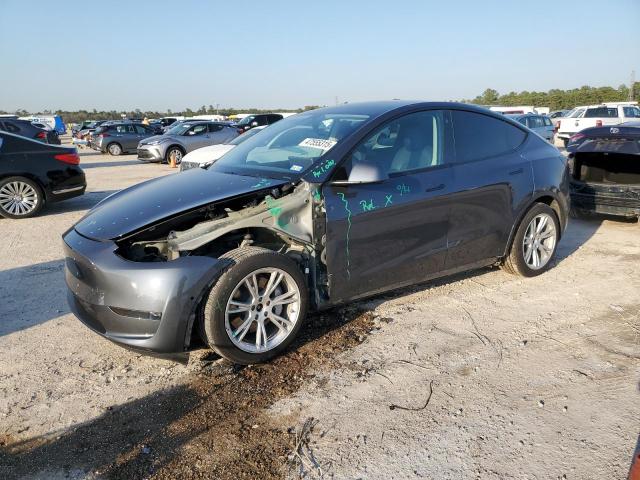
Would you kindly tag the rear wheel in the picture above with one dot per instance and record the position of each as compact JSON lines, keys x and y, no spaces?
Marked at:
{"x":114,"y":149}
{"x":256,"y":307}
{"x":534,"y":243}
{"x":20,"y":197}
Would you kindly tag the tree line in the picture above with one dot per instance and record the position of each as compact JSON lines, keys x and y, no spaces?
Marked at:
{"x":557,"y":99}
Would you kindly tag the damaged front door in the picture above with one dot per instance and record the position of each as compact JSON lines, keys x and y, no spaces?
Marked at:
{"x":391,"y":231}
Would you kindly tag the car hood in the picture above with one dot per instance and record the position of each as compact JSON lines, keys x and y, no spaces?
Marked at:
{"x":149,"y":202}
{"x":207,"y":154}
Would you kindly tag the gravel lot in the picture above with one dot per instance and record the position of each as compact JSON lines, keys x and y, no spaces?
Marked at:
{"x":484,"y":375}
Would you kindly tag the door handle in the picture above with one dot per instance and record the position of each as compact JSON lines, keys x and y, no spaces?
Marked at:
{"x":436,"y":188}
{"x":517,"y":172}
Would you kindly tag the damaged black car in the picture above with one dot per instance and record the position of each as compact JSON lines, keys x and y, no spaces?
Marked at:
{"x":605,"y":171}
{"x":320,"y":209}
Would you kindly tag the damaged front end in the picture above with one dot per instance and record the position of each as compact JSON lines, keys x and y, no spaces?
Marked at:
{"x":287,"y":219}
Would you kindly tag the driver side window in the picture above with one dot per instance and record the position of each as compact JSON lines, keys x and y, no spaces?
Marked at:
{"x":411,"y":143}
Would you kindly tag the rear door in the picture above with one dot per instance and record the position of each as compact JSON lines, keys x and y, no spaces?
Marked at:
{"x":491,"y":182}
{"x":394,"y":232}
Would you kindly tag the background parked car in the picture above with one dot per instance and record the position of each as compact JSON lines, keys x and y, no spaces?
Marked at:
{"x":183,"y":138}
{"x":252,"y":121}
{"x":33,"y":174}
{"x":612,"y":113}
{"x":541,"y":124}
{"x":118,"y":138}
{"x":27,"y":129}
{"x":205,"y":156}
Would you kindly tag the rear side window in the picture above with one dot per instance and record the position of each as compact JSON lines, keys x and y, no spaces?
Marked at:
{"x":478,"y":136}
{"x":214,"y":127}
{"x":602,"y":112}
{"x":547,"y":121}
{"x":11,"y":128}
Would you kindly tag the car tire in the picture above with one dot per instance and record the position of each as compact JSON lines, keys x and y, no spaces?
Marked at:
{"x":541,"y":243}
{"x":246,"y":266}
{"x":114,"y":149}
{"x":30,"y":192}
{"x":178,"y":152}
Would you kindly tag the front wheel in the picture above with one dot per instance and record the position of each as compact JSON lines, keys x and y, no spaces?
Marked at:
{"x":534,"y":243}
{"x":176,"y":152}
{"x":256,"y":307}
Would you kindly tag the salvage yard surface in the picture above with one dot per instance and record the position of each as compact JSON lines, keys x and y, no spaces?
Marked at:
{"x":483,"y":375}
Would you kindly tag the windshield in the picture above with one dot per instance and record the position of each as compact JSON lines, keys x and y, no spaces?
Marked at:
{"x":179,"y":128}
{"x":291,"y":146}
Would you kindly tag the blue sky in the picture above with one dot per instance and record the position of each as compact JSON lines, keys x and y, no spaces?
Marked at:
{"x":175,"y":54}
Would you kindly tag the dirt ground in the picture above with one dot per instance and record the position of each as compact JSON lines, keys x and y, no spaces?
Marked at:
{"x":483,"y":375}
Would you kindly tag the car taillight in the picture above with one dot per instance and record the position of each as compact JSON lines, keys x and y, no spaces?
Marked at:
{"x":71,"y":158}
{"x":576,"y":137}
{"x":41,"y":135}
{"x":598,"y":123}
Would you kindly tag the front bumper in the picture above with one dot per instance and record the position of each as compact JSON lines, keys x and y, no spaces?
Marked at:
{"x":150,"y":153}
{"x":619,"y":200}
{"x":149,"y":307}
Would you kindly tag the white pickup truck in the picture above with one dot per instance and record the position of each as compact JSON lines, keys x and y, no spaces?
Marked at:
{"x":595,"y":116}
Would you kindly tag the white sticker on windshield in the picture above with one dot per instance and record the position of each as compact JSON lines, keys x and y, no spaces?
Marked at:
{"x":320,"y":143}
{"x":296,"y":168}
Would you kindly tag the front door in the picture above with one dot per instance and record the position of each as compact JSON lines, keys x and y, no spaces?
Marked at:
{"x":394,"y":232}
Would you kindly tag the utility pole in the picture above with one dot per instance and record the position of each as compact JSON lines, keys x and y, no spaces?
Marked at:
{"x":633,"y":82}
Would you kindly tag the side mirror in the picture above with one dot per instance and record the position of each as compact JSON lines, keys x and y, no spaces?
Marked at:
{"x":254,"y":124}
{"x":363,"y":172}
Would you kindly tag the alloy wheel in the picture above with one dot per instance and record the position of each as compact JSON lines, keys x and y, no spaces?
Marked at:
{"x":18,"y":198}
{"x":539,"y":241}
{"x":262,"y":310}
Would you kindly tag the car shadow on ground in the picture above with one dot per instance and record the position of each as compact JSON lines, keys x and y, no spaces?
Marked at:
{"x":31,"y":295}
{"x":83,"y":202}
{"x":134,"y":436}
{"x":218,"y":411}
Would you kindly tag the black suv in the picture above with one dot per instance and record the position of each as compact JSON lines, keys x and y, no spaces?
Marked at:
{"x":247,"y":123}
{"x":26,"y":129}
